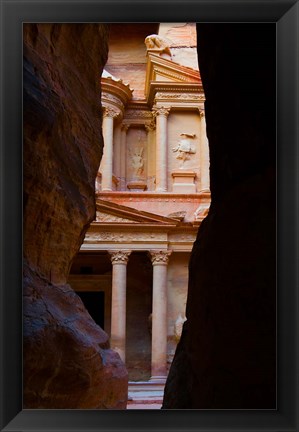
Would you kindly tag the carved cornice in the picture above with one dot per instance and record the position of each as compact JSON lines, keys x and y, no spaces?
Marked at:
{"x":161,"y":111}
{"x":107,"y":97}
{"x":184,"y":96}
{"x":133,"y":114}
{"x":119,"y":256}
{"x":117,"y":89}
{"x":115,"y":95}
{"x":159,"y":257}
{"x":177,"y":93}
{"x":164,"y":71}
{"x":125,"y":237}
{"x":169,"y":69}
{"x":168,"y":74}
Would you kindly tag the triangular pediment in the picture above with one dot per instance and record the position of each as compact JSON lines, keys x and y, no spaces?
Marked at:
{"x":111,"y":213}
{"x":160,"y":69}
{"x":167,"y":76}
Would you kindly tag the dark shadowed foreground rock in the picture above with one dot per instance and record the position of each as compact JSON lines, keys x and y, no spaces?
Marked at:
{"x":226,"y":357}
{"x":67,"y":360}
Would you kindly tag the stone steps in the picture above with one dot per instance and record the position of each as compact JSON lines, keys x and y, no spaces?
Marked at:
{"x":145,"y":395}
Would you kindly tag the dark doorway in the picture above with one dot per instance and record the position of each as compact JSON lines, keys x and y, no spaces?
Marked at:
{"x":139,"y":308}
{"x":94,"y":301}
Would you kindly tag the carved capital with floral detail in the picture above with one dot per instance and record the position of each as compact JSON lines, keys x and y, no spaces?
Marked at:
{"x":160,"y":257}
{"x":160,"y":111}
{"x":125,"y":127}
{"x":120,"y":256}
{"x":201,"y":112}
{"x":110,"y":112}
{"x":150,"y":127}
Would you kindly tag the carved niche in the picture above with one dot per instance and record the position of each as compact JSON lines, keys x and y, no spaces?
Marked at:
{"x":136,"y":159}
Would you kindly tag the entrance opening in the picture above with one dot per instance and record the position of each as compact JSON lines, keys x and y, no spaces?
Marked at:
{"x":139,"y":308}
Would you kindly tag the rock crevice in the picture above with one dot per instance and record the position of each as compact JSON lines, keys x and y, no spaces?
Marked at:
{"x":226,"y":357}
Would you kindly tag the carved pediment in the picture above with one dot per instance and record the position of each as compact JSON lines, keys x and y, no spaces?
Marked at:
{"x":106,"y":217}
{"x":108,"y":212}
{"x":165,"y":77}
{"x":161,"y":69}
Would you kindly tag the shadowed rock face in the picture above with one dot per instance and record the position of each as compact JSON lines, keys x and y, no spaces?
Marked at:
{"x":67,"y":360}
{"x":226,"y":356}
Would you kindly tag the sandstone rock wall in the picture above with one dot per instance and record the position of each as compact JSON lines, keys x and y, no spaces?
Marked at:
{"x":67,"y":360}
{"x":226,"y":357}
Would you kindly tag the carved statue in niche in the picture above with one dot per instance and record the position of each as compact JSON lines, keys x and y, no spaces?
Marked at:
{"x":185,"y":147}
{"x":157,"y":43}
{"x":137,"y":159}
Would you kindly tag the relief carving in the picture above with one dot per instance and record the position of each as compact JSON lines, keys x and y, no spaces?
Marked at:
{"x":103,"y":236}
{"x":137,"y":156}
{"x":137,"y":162}
{"x":105,"y":217}
{"x":183,"y":96}
{"x":182,"y":237}
{"x":121,"y":237}
{"x":111,"y":98}
{"x":185,"y":147}
{"x":158,"y":44}
{"x":133,"y":114}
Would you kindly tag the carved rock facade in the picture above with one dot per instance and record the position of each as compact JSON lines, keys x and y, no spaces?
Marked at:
{"x":147,"y":196}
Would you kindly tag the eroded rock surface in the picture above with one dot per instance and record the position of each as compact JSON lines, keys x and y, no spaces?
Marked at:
{"x":67,"y":360}
{"x":226,"y":356}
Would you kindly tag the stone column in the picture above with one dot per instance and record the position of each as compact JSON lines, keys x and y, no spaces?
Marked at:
{"x":119,"y":261}
{"x":161,"y":114}
{"x":123,"y":155}
{"x":107,"y":161}
{"x":151,"y":151}
{"x":159,"y":314}
{"x":204,"y":151}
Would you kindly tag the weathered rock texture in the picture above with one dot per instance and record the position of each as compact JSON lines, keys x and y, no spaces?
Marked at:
{"x":67,"y":360}
{"x":226,"y":357}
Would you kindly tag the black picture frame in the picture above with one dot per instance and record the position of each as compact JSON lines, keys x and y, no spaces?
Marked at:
{"x":13,"y":13}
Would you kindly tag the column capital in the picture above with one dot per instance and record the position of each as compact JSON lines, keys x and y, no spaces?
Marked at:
{"x":201,"y":112}
{"x":119,"y":256}
{"x":150,"y":127}
{"x":161,"y":111}
{"x":160,"y":257}
{"x":110,"y":112}
{"x":125,"y":127}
